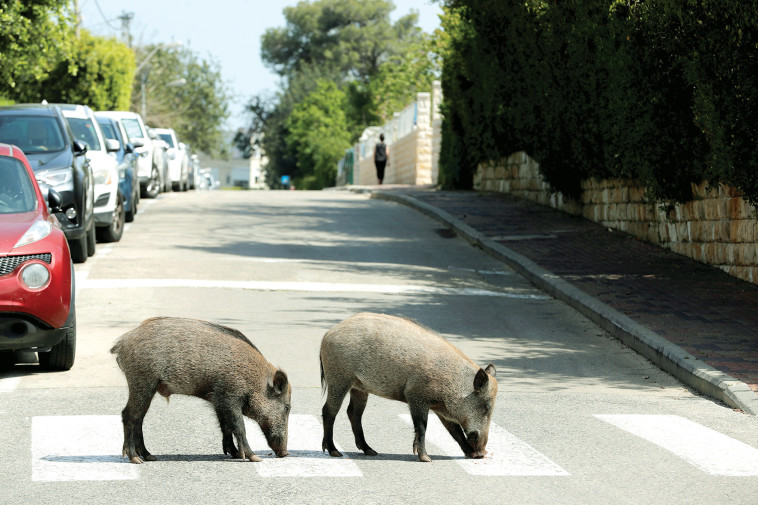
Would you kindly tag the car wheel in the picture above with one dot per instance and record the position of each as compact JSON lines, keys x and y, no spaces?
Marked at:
{"x":78,"y":249}
{"x":61,"y":356}
{"x":153,"y":185}
{"x":129,"y":216}
{"x":114,"y":232}
{"x":91,"y":240}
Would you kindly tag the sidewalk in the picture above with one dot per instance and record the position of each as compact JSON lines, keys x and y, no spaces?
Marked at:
{"x":692,"y":320}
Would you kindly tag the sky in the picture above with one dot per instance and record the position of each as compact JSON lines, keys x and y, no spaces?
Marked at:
{"x":227,"y":31}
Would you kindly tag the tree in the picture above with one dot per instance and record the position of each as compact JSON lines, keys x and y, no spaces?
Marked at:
{"x":183,"y":92}
{"x":36,"y":36}
{"x":347,"y":43}
{"x":98,"y":73}
{"x":318,"y":134}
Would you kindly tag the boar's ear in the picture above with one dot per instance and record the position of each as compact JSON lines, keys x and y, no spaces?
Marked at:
{"x":279,"y":383}
{"x":480,"y":380}
{"x":491,"y":370}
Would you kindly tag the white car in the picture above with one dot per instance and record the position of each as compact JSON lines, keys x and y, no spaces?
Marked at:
{"x":109,"y":202}
{"x":178,"y":159}
{"x":150,"y":178}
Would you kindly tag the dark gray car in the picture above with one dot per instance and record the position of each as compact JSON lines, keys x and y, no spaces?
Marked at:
{"x":58,"y":161}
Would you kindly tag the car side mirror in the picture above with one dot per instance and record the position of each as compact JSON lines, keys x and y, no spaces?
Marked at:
{"x":54,"y":200}
{"x":138,"y":143}
{"x":80,"y":147}
{"x":112,"y":145}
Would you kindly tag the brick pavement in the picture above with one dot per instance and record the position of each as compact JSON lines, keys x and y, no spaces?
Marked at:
{"x":705,"y":311}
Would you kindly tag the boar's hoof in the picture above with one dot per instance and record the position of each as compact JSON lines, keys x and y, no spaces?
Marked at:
{"x":332,"y":452}
{"x":370,"y":452}
{"x":251,"y":457}
{"x":424,"y":458}
{"x":136,"y":460}
{"x":477,"y":455}
{"x":282,"y":454}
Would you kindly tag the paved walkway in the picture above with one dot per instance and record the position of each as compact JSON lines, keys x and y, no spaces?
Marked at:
{"x":707,"y":313}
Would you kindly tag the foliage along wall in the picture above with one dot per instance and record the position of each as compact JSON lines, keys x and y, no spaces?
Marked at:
{"x":663,"y":91}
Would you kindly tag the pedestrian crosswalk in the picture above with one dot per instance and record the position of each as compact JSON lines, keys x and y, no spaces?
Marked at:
{"x":87,"y":448}
{"x":506,"y":453}
{"x":704,"y":448}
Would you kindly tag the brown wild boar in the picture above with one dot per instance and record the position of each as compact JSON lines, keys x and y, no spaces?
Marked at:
{"x":218,"y":364}
{"x":396,"y":358}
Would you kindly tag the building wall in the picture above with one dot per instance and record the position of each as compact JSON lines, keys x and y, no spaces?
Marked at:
{"x":718,"y":227}
{"x":410,"y":137}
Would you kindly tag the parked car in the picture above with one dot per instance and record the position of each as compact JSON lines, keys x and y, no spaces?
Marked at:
{"x":58,"y":160}
{"x":194,"y":169}
{"x":148,"y":161}
{"x":37,"y":310}
{"x":109,"y":202}
{"x":127,"y":159}
{"x":178,"y":159}
{"x":160,"y":159}
{"x":206,"y":181}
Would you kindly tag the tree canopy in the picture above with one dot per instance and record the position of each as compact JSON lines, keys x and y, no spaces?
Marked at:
{"x":183,"y":92}
{"x":36,"y":36}
{"x":371,"y":62}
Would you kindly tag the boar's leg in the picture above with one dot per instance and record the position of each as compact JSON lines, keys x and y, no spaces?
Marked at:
{"x":355,"y":410}
{"x":228,"y":444}
{"x":420,"y":417}
{"x":231,"y":421}
{"x":132,"y":417}
{"x":334,"y":398}
{"x":457,"y":432}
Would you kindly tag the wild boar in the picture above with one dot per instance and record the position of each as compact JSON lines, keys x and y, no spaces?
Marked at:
{"x":218,"y":364}
{"x":398,"y":359}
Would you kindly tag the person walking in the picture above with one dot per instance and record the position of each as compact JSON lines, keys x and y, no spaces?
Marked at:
{"x":381,"y":157}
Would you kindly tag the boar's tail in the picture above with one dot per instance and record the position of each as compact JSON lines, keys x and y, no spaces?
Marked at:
{"x":323,"y":381}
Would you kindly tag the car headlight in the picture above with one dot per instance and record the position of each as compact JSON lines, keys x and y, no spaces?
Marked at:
{"x":55,"y":177}
{"x":35,"y":233}
{"x":35,"y":275}
{"x":103,"y":177}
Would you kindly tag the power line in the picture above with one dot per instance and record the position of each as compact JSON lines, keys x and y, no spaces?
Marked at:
{"x":105,"y":19}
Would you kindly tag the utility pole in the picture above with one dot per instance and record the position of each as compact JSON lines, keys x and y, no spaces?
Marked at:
{"x":126,"y":35}
{"x":78,"y":19}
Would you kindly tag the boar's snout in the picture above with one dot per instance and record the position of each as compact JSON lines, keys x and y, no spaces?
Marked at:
{"x":477,"y":443}
{"x":279,"y":446}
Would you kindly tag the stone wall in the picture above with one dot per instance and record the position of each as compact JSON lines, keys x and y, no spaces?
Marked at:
{"x":410,"y":137}
{"x":718,"y":227}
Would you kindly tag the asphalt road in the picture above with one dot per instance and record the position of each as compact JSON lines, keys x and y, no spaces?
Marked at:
{"x":579,"y":418}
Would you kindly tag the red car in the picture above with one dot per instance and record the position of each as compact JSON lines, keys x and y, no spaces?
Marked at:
{"x":36,"y":272}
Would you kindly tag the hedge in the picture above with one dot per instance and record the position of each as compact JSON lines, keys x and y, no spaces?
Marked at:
{"x":665,"y":91}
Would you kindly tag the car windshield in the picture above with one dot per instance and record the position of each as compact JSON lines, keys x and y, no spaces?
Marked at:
{"x":84,"y":130}
{"x":17,"y":193}
{"x":33,"y":134}
{"x":133,"y":129}
{"x":166,"y":137}
{"x":108,"y":130}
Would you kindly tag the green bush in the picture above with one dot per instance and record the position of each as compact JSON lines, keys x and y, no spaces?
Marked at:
{"x":665,"y":91}
{"x":99,"y":74}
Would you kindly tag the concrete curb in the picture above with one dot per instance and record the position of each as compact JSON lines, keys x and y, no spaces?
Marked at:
{"x":666,"y":355}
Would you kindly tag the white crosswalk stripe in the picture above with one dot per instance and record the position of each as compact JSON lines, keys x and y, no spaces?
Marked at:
{"x":306,"y":458}
{"x":507,"y":455}
{"x":704,"y":448}
{"x":87,"y":448}
{"x":73,"y":448}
